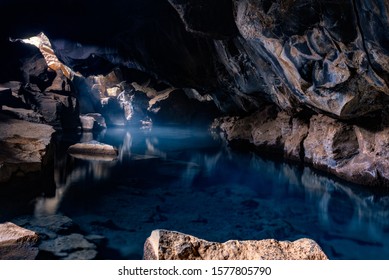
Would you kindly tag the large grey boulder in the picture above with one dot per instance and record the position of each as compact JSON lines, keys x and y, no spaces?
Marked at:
{"x":170,"y":245}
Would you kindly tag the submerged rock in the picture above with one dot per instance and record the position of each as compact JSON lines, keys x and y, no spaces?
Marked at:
{"x":47,"y":226}
{"x":17,"y":243}
{"x":93,"y":150}
{"x":170,"y":245}
{"x":73,"y":246}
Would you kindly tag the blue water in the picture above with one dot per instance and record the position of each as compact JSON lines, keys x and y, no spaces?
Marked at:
{"x":187,"y":180}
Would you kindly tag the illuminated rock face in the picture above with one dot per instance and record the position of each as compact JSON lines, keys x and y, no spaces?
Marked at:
{"x":169,"y":245}
{"x":17,"y":243}
{"x":329,"y":57}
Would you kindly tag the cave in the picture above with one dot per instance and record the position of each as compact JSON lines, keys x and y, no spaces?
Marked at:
{"x":224,"y":120}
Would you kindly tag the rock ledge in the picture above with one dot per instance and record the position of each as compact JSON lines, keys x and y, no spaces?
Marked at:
{"x":170,"y":245}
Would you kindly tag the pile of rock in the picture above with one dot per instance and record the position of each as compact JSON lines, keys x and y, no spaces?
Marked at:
{"x":60,"y":238}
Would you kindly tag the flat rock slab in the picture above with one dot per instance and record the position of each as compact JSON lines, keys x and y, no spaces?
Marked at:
{"x":93,"y":150}
{"x":17,"y":243}
{"x":170,"y":245}
{"x":23,"y":146}
{"x":24,"y":114}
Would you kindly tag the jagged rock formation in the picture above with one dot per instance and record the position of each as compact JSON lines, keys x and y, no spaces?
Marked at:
{"x":169,"y":245}
{"x":17,"y":243}
{"x":327,"y":56}
{"x":354,"y":152}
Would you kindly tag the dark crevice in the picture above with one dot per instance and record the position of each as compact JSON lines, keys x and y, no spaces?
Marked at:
{"x":359,"y":26}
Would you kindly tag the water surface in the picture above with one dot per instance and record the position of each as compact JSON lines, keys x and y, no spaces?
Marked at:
{"x":187,"y":180}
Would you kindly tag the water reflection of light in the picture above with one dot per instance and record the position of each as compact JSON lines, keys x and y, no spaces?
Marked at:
{"x":332,"y":213}
{"x":125,"y":148}
{"x":152,"y":149}
{"x":199,"y":164}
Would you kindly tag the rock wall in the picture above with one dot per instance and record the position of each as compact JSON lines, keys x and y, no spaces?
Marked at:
{"x":355,"y":152}
{"x":331,"y":57}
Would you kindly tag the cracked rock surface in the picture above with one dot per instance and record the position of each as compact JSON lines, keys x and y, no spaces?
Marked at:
{"x":170,"y":245}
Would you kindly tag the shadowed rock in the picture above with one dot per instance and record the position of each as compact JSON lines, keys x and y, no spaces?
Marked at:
{"x":73,"y":246}
{"x":170,"y":245}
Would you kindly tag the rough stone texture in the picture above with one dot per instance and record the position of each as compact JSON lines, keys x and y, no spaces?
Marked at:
{"x":23,"y":146}
{"x":350,"y":151}
{"x":73,"y":246}
{"x":23,"y":114}
{"x":169,"y":245}
{"x":92,"y":121}
{"x":267,"y":129}
{"x":50,"y":93}
{"x":176,"y":107}
{"x":329,"y":57}
{"x":47,"y":226}
{"x":17,"y":243}
{"x":60,"y":237}
{"x":93,"y":150}
{"x":329,"y":142}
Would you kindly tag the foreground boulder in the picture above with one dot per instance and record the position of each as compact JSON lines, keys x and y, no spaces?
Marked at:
{"x":17,"y":243}
{"x":170,"y":245}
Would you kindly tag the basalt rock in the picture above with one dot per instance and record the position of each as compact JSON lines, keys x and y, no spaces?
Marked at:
{"x":268,"y":130}
{"x":170,"y":245}
{"x":50,"y":93}
{"x":331,"y":57}
{"x":17,"y":243}
{"x":24,"y":147}
{"x":348,"y":150}
{"x":92,"y":121}
{"x":93,"y":150}
{"x":71,"y":247}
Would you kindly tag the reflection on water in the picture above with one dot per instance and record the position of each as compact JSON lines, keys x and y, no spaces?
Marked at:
{"x":184,"y":180}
